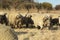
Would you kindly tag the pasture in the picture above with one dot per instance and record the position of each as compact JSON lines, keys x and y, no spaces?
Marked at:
{"x":34,"y":33}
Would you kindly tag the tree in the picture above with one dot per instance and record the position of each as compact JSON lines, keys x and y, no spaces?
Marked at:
{"x":38,"y":6}
{"x":5,"y":4}
{"x":10,"y":3}
{"x":57,"y":7}
{"x":47,"y":5}
{"x":18,"y":4}
{"x":28,"y":6}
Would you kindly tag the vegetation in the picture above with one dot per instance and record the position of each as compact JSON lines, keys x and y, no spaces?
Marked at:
{"x":38,"y":6}
{"x":27,"y":4}
{"x":47,"y":6}
{"x":57,"y":7}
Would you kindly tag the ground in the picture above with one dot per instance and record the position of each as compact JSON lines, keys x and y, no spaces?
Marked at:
{"x":37,"y":34}
{"x":34,"y":34}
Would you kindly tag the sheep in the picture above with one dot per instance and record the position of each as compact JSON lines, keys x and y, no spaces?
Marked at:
{"x":3,"y":19}
{"x":47,"y":21}
{"x":12,"y":20}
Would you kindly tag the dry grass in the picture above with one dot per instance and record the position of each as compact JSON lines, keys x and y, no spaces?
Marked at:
{"x":6,"y":33}
{"x":35,"y":34}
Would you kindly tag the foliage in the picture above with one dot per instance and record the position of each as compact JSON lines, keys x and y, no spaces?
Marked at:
{"x":18,"y":4}
{"x":57,"y":7}
{"x":38,"y":6}
{"x":47,"y":6}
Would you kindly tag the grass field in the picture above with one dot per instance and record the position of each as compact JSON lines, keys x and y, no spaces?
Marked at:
{"x":35,"y":34}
